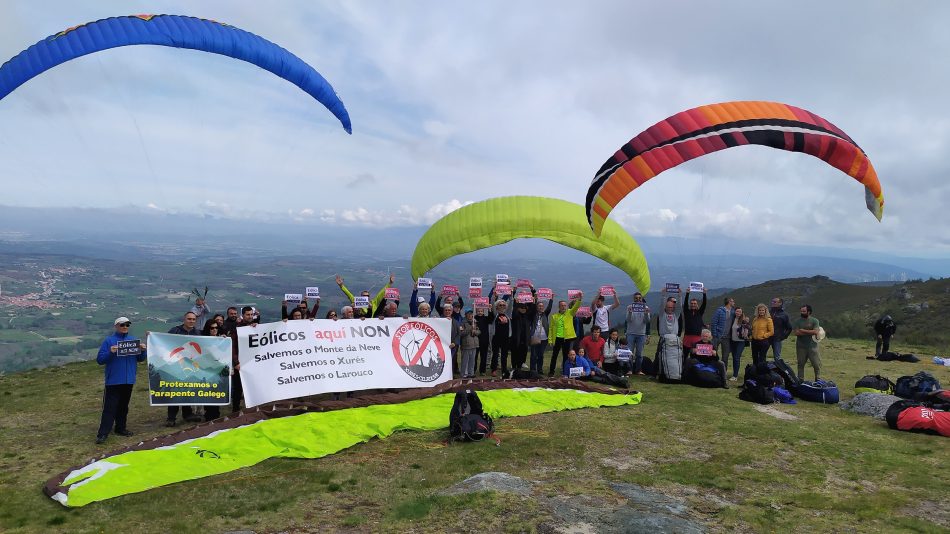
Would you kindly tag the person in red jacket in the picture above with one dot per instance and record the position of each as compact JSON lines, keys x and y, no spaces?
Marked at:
{"x":593,"y":345}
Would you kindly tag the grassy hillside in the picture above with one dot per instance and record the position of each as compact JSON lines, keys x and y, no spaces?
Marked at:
{"x":920,"y":308}
{"x":738,"y":469}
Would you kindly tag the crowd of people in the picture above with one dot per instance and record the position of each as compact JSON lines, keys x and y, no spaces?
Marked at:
{"x":515,"y":324}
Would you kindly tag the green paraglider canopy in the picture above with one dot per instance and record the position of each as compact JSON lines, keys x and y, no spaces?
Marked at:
{"x":500,"y":220}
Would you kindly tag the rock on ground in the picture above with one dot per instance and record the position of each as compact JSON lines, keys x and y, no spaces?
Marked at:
{"x":491,"y":481}
{"x":873,"y":404}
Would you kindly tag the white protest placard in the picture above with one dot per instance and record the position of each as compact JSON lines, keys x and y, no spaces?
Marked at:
{"x":361,"y":302}
{"x":607,"y":291}
{"x":696,"y":286}
{"x":129,"y":347}
{"x":293,"y":297}
{"x":286,"y":360}
{"x":313,"y":292}
{"x":672,"y":288}
{"x":583,"y":311}
{"x":475,"y":281}
{"x":624,"y":355}
{"x":576,"y":372}
{"x":424,"y":283}
{"x":545,"y":293}
{"x":573,"y":294}
{"x":502,"y":279}
{"x":474,"y":292}
{"x":392,"y":293}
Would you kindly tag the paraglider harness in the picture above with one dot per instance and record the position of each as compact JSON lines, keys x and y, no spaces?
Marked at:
{"x":467,"y":421}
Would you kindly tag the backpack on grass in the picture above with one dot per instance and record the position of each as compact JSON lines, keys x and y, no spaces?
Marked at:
{"x":824,"y":391}
{"x":467,"y":421}
{"x":913,"y":387}
{"x":874,"y":384}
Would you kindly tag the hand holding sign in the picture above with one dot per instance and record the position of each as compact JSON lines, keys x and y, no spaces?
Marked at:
{"x":697,"y":286}
{"x":128,"y":348}
{"x":576,"y":372}
{"x":574,"y":294}
{"x":295,"y":298}
{"x":313,"y":292}
{"x":703,"y":349}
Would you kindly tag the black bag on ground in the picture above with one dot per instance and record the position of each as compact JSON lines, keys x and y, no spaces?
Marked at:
{"x":704,"y":374}
{"x":909,"y":358}
{"x":888,"y":356}
{"x":874,"y":384}
{"x":912,"y":387}
{"x":781,"y":367}
{"x":467,"y":421}
{"x":754,"y":392}
{"x":824,"y":391}
{"x":647,"y":366}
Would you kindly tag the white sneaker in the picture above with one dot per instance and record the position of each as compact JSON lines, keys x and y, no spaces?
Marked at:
{"x":733,"y":379}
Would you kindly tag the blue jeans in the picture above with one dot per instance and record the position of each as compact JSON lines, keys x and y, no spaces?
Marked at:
{"x":737,"y":348}
{"x":635,"y":343}
{"x":537,"y":356}
{"x":776,"y":348}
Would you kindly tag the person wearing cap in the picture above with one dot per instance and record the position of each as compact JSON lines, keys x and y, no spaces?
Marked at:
{"x":806,"y":345}
{"x":468,"y":342}
{"x":186,"y":328}
{"x":119,"y":379}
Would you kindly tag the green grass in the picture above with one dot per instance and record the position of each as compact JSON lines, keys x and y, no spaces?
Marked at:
{"x":739,"y":469}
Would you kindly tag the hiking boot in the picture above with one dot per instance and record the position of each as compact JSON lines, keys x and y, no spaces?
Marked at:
{"x":170,"y":422}
{"x":124,"y":432}
{"x":100,"y":440}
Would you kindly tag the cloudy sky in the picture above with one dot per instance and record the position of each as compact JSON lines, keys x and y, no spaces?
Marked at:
{"x":457,"y":102}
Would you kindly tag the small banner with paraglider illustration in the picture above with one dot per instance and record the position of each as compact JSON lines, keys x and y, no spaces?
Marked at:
{"x":189,"y":370}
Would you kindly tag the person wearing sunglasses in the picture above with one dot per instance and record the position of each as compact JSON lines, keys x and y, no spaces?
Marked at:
{"x":120,"y":369}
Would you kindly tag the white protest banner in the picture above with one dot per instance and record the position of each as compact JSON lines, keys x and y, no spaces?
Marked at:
{"x":392,"y":293}
{"x":475,"y":281}
{"x":313,"y":292}
{"x":503,"y":290}
{"x":482,"y":303}
{"x":450,"y":290}
{"x":672,"y":288}
{"x":361,"y":302}
{"x":474,"y":292}
{"x":573,"y":294}
{"x":583,"y":311}
{"x":545,"y":293}
{"x":293,"y":297}
{"x":288,"y":360}
{"x":576,"y":372}
{"x":607,"y":291}
{"x":637,"y":307}
{"x":502,"y":279}
{"x":696,"y":286}
{"x":424,"y":283}
{"x":189,"y":370}
{"x":524,"y":297}
{"x":523,"y":282}
{"x":128,"y":348}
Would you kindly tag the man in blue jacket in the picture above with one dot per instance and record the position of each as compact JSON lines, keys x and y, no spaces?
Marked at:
{"x":121,"y":365}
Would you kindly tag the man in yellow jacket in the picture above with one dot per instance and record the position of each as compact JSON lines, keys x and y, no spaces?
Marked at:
{"x":562,"y":329}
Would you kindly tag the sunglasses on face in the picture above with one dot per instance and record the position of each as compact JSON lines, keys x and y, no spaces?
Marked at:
{"x":125,"y":325}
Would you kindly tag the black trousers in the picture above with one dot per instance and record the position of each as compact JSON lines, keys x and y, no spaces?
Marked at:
{"x":186,"y":412}
{"x":519,"y":355}
{"x":564,"y":345}
{"x":499,"y":350}
{"x":237,"y":391}
{"x":212,"y":412}
{"x":883,"y":345}
{"x":482,"y":354}
{"x":760,"y":348}
{"x":115,"y":408}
